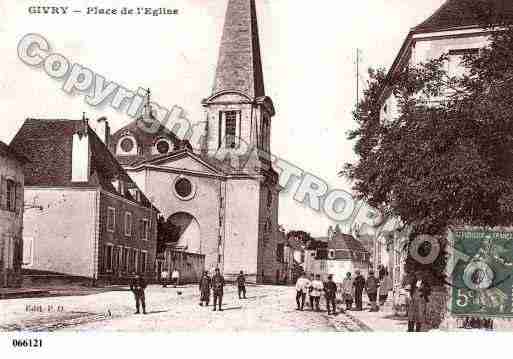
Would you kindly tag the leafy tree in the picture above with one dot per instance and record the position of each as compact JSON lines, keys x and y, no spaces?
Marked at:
{"x":301,"y":236}
{"x":166,"y":233}
{"x":447,"y":159}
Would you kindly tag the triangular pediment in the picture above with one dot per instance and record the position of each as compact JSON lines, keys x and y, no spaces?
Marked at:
{"x":186,"y":161}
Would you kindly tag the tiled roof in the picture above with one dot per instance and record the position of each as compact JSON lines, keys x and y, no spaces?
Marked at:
{"x":6,"y":150}
{"x":145,"y":137}
{"x":343,"y":241}
{"x":48,"y":146}
{"x":465,"y":13}
{"x":345,"y":247}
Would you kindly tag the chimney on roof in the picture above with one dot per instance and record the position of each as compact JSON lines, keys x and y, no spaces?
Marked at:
{"x":103,"y":130}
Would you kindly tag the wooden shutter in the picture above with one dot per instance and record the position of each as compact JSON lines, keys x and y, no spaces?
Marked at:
{"x":3,"y":193}
{"x":238,"y":129}
{"x":222,"y":129}
{"x":19,"y":198}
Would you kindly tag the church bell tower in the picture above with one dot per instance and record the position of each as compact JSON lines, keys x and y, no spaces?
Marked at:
{"x":238,"y":113}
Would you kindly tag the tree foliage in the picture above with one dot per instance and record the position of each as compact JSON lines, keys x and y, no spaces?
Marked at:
{"x":301,"y":236}
{"x":447,"y":158}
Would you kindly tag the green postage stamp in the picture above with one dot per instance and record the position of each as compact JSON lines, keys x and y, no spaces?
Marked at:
{"x":482,"y":273}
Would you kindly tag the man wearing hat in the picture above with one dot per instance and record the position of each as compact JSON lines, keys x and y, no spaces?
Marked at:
{"x":330,"y":290}
{"x":359,"y":284}
{"x":371,"y":287}
{"x":241,"y":285}
{"x":204,"y":287}
{"x":137,"y":287}
{"x":218,"y":289}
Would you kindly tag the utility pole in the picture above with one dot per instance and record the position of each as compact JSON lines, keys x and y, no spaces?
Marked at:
{"x":357,"y":76}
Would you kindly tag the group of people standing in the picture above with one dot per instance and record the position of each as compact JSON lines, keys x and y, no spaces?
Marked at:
{"x":351,"y":290}
{"x":216,"y":286}
{"x":175,"y":278}
{"x":314,"y":287}
{"x":207,"y":285}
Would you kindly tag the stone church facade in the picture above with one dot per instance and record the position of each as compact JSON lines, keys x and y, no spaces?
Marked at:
{"x":227,"y":213}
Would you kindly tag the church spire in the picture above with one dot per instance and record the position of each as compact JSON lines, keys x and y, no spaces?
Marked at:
{"x":239,"y":67}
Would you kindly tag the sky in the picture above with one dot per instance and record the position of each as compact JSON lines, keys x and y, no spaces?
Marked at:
{"x":308,"y":54}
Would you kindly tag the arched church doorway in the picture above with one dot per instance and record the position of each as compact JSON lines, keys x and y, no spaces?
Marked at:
{"x":185,"y":232}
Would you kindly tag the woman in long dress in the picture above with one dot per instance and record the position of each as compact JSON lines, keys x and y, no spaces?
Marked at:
{"x":347,"y":291}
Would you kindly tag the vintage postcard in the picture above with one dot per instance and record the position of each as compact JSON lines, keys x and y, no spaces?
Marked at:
{"x":255,"y":166}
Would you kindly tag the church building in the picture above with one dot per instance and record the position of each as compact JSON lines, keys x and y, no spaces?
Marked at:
{"x":227,"y":213}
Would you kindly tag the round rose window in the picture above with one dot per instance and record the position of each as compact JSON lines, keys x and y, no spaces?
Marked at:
{"x":184,"y":188}
{"x":162,"y":147}
{"x":127,"y":145}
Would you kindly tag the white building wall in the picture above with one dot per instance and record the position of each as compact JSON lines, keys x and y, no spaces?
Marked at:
{"x":337,"y":268}
{"x":241,"y":242}
{"x":61,"y":237}
{"x":204,"y":206}
{"x":429,"y":47}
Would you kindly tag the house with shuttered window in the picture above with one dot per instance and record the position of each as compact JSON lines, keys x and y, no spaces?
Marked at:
{"x":91,"y":221}
{"x":11,"y":216}
{"x":337,"y":255}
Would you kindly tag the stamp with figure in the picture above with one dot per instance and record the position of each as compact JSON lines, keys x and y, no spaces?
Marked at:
{"x":482,"y":286}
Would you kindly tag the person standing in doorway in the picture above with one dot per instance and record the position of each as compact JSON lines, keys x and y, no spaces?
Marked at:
{"x":371,"y":287}
{"x":359,"y":284}
{"x":175,"y":277}
{"x":204,"y":287}
{"x":137,"y":287}
{"x":302,"y":285}
{"x":347,"y":291}
{"x":241,"y":285}
{"x":330,"y":292}
{"x":218,"y":289}
{"x":315,"y":294}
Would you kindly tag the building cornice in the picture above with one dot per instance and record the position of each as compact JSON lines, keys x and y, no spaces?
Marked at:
{"x":115,"y":196}
{"x":222,"y":177}
{"x":414,"y":36}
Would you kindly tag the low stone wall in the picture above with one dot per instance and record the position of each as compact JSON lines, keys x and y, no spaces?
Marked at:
{"x":44,"y":280}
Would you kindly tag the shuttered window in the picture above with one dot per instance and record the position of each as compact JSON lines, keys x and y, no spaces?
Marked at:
{"x":145,"y":229}
{"x":143,"y":257}
{"x":229,"y":125}
{"x":128,"y":224}
{"x":19,"y":198}
{"x":111,"y":219}
{"x":11,"y":195}
{"x":107,"y":257}
{"x":3,"y":192}
{"x":231,"y":128}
